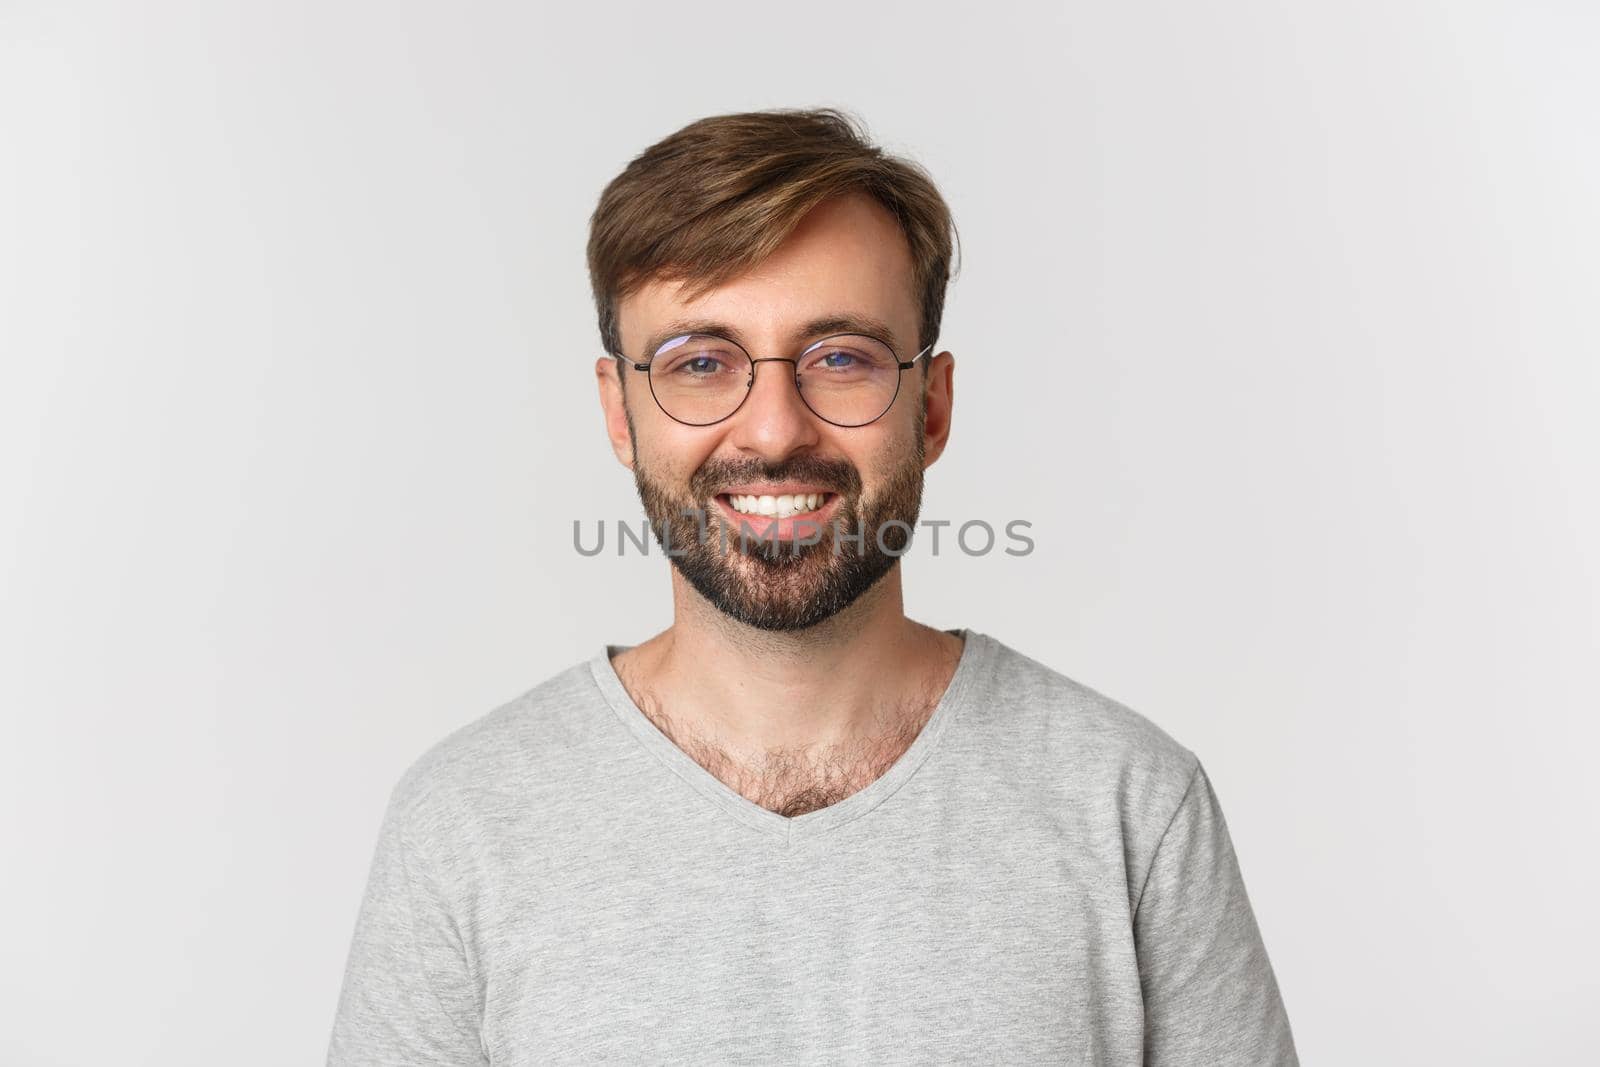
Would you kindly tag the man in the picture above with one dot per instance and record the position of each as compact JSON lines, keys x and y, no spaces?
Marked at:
{"x":797,"y":826}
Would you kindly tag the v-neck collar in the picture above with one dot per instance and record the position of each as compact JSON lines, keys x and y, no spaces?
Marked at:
{"x":976,"y":653}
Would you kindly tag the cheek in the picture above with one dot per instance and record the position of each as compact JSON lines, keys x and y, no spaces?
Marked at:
{"x":882,"y":461}
{"x":895,"y":467}
{"x":898,"y":442}
{"x":669,"y":455}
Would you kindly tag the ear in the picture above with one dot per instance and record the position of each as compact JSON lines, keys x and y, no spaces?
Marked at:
{"x":938,"y":396}
{"x":612,"y":406}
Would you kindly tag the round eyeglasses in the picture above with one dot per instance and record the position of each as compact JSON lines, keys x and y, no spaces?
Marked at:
{"x":847,"y":379}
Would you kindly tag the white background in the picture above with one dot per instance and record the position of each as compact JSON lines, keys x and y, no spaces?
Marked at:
{"x":1277,"y":322}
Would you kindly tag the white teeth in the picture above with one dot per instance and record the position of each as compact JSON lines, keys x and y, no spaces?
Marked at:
{"x":778,"y":506}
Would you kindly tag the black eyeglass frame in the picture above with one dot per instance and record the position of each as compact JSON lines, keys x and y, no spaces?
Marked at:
{"x":903,"y":365}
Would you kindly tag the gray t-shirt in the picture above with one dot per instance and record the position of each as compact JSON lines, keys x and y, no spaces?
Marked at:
{"x":1043,"y":876}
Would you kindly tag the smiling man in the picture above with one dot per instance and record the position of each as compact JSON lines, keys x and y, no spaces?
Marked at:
{"x":796,"y":825}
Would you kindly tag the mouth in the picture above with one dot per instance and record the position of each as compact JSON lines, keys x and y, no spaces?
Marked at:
{"x":779,"y":516}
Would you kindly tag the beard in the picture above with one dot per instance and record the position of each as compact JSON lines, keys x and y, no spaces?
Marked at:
{"x":784,"y":585}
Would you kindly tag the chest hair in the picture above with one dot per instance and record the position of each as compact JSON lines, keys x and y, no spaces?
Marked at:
{"x":793,"y":781}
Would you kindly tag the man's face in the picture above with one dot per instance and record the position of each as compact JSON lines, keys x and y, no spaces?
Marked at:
{"x":847,"y":258}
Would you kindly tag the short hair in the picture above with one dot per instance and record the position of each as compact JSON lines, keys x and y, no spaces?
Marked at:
{"x":714,"y":199}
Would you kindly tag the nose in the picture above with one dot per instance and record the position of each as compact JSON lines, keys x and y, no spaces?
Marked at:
{"x":773,"y":421}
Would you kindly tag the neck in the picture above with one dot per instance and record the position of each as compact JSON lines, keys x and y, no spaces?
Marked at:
{"x":857,"y":676}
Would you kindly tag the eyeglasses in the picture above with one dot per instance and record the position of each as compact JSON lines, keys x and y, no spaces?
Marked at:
{"x":846,"y":380}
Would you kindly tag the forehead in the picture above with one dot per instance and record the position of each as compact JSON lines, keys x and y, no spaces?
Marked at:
{"x":848,"y":256}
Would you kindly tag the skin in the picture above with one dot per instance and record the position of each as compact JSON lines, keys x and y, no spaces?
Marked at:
{"x":793,"y":720}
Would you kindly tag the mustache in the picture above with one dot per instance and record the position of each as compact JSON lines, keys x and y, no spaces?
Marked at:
{"x":837,"y":476}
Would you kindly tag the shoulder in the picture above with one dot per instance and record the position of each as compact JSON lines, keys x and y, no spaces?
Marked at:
{"x":1109,"y":774}
{"x":1083,"y":739}
{"x":508,"y":756}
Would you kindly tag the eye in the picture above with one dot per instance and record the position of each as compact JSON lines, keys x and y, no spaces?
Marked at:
{"x":835,"y":360}
{"x":849,"y":359}
{"x":696,"y":364}
{"x":694,"y":359}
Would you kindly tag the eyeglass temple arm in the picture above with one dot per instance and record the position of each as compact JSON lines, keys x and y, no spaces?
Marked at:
{"x":908,"y":364}
{"x":631,"y":363}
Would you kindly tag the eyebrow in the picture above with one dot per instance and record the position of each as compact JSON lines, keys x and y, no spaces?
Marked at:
{"x":821,"y":327}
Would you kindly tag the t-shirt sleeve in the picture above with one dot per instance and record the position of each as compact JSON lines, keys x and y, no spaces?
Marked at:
{"x":1209,"y":991}
{"x":409,"y":995}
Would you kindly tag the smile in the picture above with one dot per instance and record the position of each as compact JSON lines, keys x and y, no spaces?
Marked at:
{"x":779,"y":516}
{"x":781,"y":506}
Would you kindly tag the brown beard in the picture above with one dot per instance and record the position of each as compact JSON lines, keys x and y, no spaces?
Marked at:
{"x":784,"y":585}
